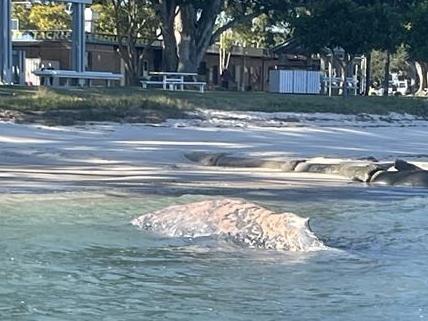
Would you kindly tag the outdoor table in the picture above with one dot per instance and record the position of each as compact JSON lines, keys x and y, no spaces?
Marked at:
{"x":173,"y":78}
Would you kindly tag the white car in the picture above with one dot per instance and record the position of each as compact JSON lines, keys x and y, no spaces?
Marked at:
{"x":400,"y":88}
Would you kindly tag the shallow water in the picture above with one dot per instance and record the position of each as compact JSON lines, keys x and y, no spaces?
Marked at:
{"x":76,"y":257}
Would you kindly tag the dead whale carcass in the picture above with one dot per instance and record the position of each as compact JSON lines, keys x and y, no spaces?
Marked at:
{"x":239,"y":221}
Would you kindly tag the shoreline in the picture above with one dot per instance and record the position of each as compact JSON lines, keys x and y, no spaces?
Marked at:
{"x":146,"y":158}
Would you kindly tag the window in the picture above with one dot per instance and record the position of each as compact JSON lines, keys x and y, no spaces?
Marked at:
{"x":14,"y":24}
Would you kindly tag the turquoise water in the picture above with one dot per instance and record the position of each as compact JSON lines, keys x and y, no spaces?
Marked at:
{"x":76,"y":257}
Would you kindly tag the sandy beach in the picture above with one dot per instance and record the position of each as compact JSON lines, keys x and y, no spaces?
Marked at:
{"x":125,"y":158}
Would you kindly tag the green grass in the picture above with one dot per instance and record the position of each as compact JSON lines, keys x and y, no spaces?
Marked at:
{"x":67,"y":106}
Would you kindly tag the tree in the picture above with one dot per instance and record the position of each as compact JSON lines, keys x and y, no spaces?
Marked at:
{"x":189,"y":26}
{"x":388,"y":29}
{"x":42,"y":16}
{"x":50,"y":17}
{"x":261,"y":32}
{"x":226,"y":44}
{"x":377,"y":66}
{"x":336,"y":24}
{"x":132,"y":21}
{"x":417,"y":29}
{"x":103,"y":14}
{"x":22,"y":13}
{"x":399,"y":63}
{"x":357,"y":26}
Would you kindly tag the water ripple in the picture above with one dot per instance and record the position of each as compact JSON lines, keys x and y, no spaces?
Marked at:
{"x":78,"y":258}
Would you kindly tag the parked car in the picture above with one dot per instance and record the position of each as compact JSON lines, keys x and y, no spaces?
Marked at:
{"x":398,"y":88}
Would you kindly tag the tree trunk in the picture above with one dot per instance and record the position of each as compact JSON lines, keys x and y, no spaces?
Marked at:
{"x":186,"y":45}
{"x":368,"y":74}
{"x":167,"y":12}
{"x":386,"y":76}
{"x":412,"y":75}
{"x":425,"y":90}
{"x":169,"y":53}
{"x":185,"y":32}
{"x":220,"y":60}
{"x":421,"y":70}
{"x":130,"y":56}
{"x":344,"y":67}
{"x":224,"y":59}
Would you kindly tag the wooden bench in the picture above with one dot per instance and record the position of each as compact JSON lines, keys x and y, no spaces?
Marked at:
{"x":49,"y":74}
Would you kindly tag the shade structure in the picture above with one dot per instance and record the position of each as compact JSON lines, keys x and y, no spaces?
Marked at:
{"x":5,"y":42}
{"x":78,"y":51}
{"x":78,"y":45}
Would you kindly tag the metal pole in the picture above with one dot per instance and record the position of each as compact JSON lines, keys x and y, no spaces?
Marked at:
{"x":5,"y":42}
{"x":78,"y":47}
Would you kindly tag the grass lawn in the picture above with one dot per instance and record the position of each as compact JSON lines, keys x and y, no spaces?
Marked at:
{"x":67,"y":106}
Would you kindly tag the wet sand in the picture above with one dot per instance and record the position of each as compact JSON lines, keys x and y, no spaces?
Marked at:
{"x":124,"y":158}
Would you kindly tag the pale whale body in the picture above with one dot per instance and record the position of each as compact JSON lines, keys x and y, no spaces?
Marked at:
{"x":241,"y":222}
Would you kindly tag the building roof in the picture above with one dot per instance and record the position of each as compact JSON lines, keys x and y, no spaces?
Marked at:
{"x":292,"y":47}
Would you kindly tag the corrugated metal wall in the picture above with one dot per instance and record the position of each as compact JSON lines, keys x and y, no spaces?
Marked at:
{"x":314,"y":82}
{"x":274,"y":82}
{"x":295,"y":81}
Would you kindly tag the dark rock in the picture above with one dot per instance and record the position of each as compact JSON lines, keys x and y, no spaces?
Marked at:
{"x":285,"y":166}
{"x":402,"y":165}
{"x":206,"y":159}
{"x":418,"y":178}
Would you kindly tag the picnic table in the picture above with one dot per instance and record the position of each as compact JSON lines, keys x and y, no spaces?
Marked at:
{"x":175,"y":81}
{"x":47,"y":75}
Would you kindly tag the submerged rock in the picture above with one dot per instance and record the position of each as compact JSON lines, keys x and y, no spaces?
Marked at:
{"x":230,"y":161}
{"x":226,"y":160}
{"x":402,"y":165}
{"x":241,"y":222}
{"x":372,"y":172}
{"x":406,"y":174}
{"x":360,"y":172}
{"x":205,"y":159}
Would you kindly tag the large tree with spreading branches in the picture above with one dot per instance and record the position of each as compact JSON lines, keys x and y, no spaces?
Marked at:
{"x":189,"y":27}
{"x":132,"y":21}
